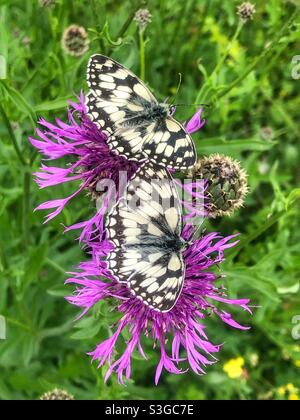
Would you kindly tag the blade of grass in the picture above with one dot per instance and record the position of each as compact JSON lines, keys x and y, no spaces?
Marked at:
{"x":12,"y":136}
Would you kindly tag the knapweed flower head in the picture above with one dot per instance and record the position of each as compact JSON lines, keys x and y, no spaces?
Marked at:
{"x":179,"y":334}
{"x":75,"y":40}
{"x":267,"y":133}
{"x":246,"y":11}
{"x":88,"y":162}
{"x":143,"y":17}
{"x":226,"y":184}
{"x":57,"y":395}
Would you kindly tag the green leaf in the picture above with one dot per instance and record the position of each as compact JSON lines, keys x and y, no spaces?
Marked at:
{"x":20,"y":102}
{"x":255,"y":280}
{"x":59,"y":103}
{"x":289,"y":290}
{"x":36,"y":261}
{"x":86,"y":333}
{"x":106,"y":35}
{"x":58,"y":291}
{"x":219,"y":145}
{"x":292,"y":198}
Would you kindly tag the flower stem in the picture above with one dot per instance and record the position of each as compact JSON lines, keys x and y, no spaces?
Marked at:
{"x":142,"y":54}
{"x":208,"y":83}
{"x":57,"y":331}
{"x":229,"y":48}
{"x":98,"y":12}
{"x":26,"y":208}
{"x":130,"y":18}
{"x":128,"y":21}
{"x":12,"y":136}
{"x":54,"y":265}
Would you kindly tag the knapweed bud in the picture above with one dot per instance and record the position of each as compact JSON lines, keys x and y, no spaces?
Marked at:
{"x":26,"y":40}
{"x":57,"y":395}
{"x":267,"y":133}
{"x":246,"y":11}
{"x":47,"y":3}
{"x":75,"y":40}
{"x":226,"y":184}
{"x":143,"y":17}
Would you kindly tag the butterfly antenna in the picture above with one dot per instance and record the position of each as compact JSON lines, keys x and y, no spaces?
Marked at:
{"x":178,"y":87}
{"x":194,"y":233}
{"x":191,"y":240}
{"x":204,"y":105}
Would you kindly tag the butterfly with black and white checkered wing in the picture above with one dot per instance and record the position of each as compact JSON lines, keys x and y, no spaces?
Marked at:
{"x":145,"y":229}
{"x":137,"y":125}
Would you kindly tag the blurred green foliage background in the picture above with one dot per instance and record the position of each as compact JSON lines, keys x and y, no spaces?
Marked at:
{"x":245,"y":73}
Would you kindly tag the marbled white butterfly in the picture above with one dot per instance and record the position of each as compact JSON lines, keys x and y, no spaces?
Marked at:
{"x":138,"y":126}
{"x":145,"y":228}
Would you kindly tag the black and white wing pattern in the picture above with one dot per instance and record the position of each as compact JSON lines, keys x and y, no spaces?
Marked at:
{"x":138,"y":127}
{"x":145,"y":228}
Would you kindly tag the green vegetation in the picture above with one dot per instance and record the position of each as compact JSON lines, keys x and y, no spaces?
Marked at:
{"x":245,"y":72}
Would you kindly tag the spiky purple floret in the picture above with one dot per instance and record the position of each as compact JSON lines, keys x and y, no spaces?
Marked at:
{"x":182,"y":325}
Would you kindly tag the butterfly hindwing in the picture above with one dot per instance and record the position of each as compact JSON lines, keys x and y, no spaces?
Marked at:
{"x":171,"y":144}
{"x":138,"y":127}
{"x":144,"y":227}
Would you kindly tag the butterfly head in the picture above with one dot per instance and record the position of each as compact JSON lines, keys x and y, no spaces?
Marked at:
{"x":168,"y":109}
{"x":172,"y":110}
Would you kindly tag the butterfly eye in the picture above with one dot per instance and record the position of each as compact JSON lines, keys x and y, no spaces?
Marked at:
{"x":172,"y":110}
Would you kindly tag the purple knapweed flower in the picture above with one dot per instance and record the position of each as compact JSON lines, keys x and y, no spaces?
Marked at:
{"x":89,"y":160}
{"x":182,"y":326}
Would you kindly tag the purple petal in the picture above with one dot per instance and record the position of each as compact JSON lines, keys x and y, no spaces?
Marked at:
{"x":195,"y":123}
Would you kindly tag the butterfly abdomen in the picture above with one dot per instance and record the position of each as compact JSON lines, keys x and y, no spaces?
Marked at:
{"x":166,"y":244}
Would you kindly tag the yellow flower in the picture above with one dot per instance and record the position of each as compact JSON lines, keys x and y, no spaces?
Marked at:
{"x":281,"y":391}
{"x":297,"y":363}
{"x":234,"y":367}
{"x":291,"y":388}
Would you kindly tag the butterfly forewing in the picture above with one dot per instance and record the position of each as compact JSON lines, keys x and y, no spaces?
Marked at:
{"x":145,"y":228}
{"x":137,"y":126}
{"x":115,"y":92}
{"x":108,"y":79}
